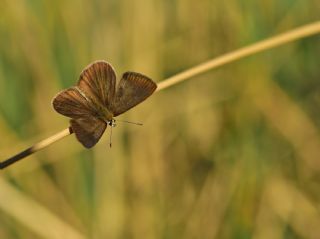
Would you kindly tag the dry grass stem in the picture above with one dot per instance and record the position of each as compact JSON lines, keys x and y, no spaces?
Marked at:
{"x":38,"y":146}
{"x":298,"y":33}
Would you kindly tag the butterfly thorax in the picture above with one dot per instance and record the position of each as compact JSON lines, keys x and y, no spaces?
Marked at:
{"x":103,"y":113}
{"x":99,"y":110}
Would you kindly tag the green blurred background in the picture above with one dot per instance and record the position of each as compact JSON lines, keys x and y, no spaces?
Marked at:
{"x":233,"y":153}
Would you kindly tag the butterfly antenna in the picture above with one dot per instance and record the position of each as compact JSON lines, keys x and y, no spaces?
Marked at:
{"x":124,"y":121}
{"x":110,"y":139}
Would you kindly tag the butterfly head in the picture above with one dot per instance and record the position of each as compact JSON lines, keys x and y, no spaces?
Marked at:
{"x":112,"y":122}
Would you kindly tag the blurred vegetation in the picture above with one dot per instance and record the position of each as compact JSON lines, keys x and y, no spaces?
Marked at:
{"x":233,"y":153}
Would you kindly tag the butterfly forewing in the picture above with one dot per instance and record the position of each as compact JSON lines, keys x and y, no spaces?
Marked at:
{"x":98,"y":82}
{"x":72,"y":103}
{"x":88,"y":130}
{"x":133,"y":88}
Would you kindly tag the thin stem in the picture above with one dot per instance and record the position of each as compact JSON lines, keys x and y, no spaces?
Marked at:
{"x":298,"y":33}
{"x":38,"y":146}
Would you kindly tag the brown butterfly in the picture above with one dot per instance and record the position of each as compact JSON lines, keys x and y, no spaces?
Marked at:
{"x":94,"y":102}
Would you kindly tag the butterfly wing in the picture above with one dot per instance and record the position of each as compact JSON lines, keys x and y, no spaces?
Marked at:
{"x":73,"y":104}
{"x":84,"y":123}
{"x":88,"y":130}
{"x":98,"y":82}
{"x":133,"y":88}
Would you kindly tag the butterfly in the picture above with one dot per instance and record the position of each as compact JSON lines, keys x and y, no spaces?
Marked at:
{"x":94,"y":102}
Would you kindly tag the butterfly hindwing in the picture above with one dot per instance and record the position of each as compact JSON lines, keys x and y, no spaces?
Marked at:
{"x":98,"y":82}
{"x":88,"y":130}
{"x":133,"y":88}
